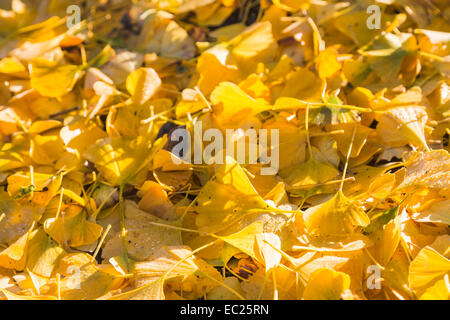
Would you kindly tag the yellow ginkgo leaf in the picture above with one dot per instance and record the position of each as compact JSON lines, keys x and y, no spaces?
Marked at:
{"x":338,"y":110}
{"x":215,"y":14}
{"x":327,"y":284}
{"x":30,"y":282}
{"x":213,"y":69}
{"x":53,"y":80}
{"x":292,"y":143}
{"x":72,"y":228}
{"x":283,"y":67}
{"x":428,"y":169}
{"x":308,"y":174}
{"x":343,"y":140}
{"x":327,"y":63}
{"x":427,"y":267}
{"x":395,"y":274}
{"x":43,"y":126}
{"x":45,"y":186}
{"x":142,"y":84}
{"x":227,"y":198}
{"x":7,"y":115}
{"x":387,"y":241}
{"x":17,"y":218}
{"x":163,"y":260}
{"x":368,"y":178}
{"x":155,"y":201}
{"x":79,"y":135}
{"x":119,"y":159}
{"x":401,"y":125}
{"x":338,"y":216}
{"x":353,"y":25}
{"x":231,"y":104}
{"x":38,"y":281}
{"x":439,"y":291}
{"x":161,"y":34}
{"x":255,"y":87}
{"x":163,"y":160}
{"x":11,"y":65}
{"x":242,"y":241}
{"x":442,"y":245}
{"x":437,"y":213}
{"x":191,"y":101}
{"x":14,"y":256}
{"x":83,"y":279}
{"x":145,"y":233}
{"x":47,"y":148}
{"x":255,"y":41}
{"x":266,"y":253}
{"x":413,"y":240}
{"x":357,"y":72}
{"x":166,"y":263}
{"x":43,"y":254}
{"x":302,"y":84}
{"x":283,"y":288}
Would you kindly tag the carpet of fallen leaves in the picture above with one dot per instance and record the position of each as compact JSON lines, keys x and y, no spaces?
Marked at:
{"x":93,"y":207}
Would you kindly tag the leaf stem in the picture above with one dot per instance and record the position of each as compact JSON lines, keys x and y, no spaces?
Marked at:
{"x":308,"y":140}
{"x":347,"y":158}
{"x":123,"y":227}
